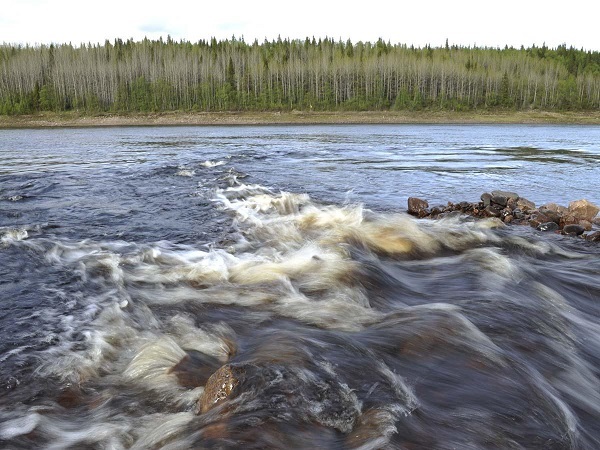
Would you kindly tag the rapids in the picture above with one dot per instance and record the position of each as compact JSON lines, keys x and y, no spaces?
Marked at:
{"x":137,"y":262}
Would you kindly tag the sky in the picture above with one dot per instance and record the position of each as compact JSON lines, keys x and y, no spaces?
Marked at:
{"x":416,"y":22}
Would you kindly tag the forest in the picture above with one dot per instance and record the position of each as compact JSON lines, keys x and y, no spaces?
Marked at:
{"x":311,"y":74}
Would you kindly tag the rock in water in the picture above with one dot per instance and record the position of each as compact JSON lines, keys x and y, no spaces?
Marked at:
{"x":593,"y":237}
{"x":417,"y":207}
{"x":525,"y":205}
{"x":276,"y":391}
{"x":492,"y":211}
{"x":486,"y":199}
{"x":506,"y":194}
{"x":573,"y":229}
{"x":547,"y":226}
{"x":555,"y":207}
{"x":499,"y":200}
{"x":583,"y":210}
{"x":551,"y":214}
{"x":219,"y":387}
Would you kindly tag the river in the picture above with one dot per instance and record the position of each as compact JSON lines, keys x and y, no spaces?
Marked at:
{"x":137,"y":261}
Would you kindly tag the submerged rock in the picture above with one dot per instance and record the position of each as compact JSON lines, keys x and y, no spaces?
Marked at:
{"x":219,"y":387}
{"x":278,"y":392}
{"x":593,"y":237}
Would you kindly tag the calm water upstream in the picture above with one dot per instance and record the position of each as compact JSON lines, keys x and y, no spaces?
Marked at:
{"x":137,"y":261}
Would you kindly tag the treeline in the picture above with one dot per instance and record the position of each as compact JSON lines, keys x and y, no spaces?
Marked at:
{"x":232,"y":75}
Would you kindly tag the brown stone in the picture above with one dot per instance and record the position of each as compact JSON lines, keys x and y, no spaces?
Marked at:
{"x":587,"y":226}
{"x":219,"y":387}
{"x":525,"y":205}
{"x":417,"y":207}
{"x":508,"y":219}
{"x":568,"y":219}
{"x":537,"y":219}
{"x":194,"y":369}
{"x":583,"y":210}
{"x":555,"y":207}
{"x":551,"y":214}
{"x":491,"y":211}
{"x":593,"y":237}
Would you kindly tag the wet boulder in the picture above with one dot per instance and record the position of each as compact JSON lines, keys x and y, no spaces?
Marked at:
{"x":486,"y":199}
{"x":525,"y":205}
{"x":506,"y":194}
{"x":492,"y":211}
{"x":555,"y":207}
{"x":547,"y":226}
{"x":551,"y":214}
{"x":538,"y":218}
{"x":500,"y":200}
{"x":418,"y":207}
{"x":573,"y":229}
{"x":583,"y":209}
{"x":194,"y":369}
{"x":593,"y":237}
{"x":275,"y":392}
{"x":220,"y":386}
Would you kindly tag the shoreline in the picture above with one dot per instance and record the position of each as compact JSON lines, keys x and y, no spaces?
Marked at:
{"x":177,"y":118}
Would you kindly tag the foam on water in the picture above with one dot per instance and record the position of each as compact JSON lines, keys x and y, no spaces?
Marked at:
{"x":364,"y":325}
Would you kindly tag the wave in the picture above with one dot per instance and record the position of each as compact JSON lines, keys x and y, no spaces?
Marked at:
{"x":344,"y":328}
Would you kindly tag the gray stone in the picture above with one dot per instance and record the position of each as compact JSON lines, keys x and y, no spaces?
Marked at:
{"x":547,"y":226}
{"x":573,"y":229}
{"x":486,"y":199}
{"x":506,"y":194}
{"x":499,"y":200}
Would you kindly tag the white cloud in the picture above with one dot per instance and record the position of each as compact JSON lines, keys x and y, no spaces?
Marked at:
{"x":464,"y":22}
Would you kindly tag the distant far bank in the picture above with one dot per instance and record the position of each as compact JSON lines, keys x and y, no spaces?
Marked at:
{"x":71,"y":119}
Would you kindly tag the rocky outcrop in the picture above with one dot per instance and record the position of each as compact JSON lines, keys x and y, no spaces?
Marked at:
{"x":310,"y":395}
{"x":583,"y":210}
{"x":220,"y":386}
{"x":575,"y":220}
{"x":418,"y":207}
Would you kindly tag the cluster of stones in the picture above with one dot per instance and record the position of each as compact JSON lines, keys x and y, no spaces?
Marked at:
{"x":578,"y":219}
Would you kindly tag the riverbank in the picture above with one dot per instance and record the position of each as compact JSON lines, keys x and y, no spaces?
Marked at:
{"x":74,"y":119}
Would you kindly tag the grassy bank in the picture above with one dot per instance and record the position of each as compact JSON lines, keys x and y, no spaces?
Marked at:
{"x":73,"y":119}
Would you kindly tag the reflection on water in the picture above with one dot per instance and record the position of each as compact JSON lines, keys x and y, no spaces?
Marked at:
{"x":291,"y":272}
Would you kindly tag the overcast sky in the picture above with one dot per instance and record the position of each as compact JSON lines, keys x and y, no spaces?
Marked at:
{"x":462,"y":22}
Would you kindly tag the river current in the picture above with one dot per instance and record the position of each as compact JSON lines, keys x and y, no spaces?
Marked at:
{"x":137,"y":261}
